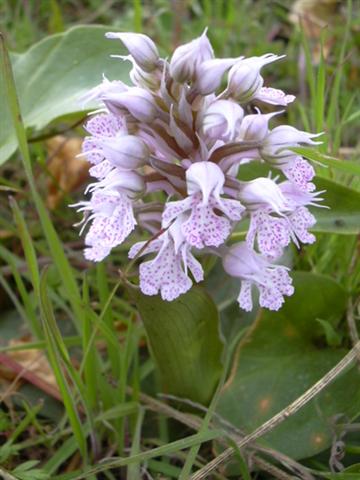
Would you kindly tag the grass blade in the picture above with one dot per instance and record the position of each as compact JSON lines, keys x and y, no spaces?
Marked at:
{"x":55,"y":246}
{"x":55,"y":362}
{"x":332,"y":113}
{"x":168,"y":449}
{"x":346,"y":166}
{"x":133,"y":472}
{"x":27,"y":245}
{"x":319,"y":101}
{"x":91,"y":370}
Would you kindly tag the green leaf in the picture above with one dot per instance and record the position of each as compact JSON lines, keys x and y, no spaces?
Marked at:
{"x":346,"y":166}
{"x":333,"y":338}
{"x":25,"y":471}
{"x":350,"y":473}
{"x":168,"y":449}
{"x":55,"y":349}
{"x":53,"y":74}
{"x":56,"y":248}
{"x":282,"y":357}
{"x":343,"y":214}
{"x":184,"y":339}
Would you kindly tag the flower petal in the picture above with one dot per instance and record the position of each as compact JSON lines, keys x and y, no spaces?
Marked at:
{"x":274,"y":96}
{"x":165,"y":274}
{"x":271,"y":233}
{"x":205,"y":228}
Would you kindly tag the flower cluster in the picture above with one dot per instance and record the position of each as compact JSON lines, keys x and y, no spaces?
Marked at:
{"x":185,"y":127}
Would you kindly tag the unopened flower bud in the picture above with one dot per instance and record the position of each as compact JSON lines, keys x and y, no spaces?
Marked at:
{"x":130,"y":182}
{"x":138,"y":101}
{"x":186,"y":58}
{"x":263,"y":192}
{"x":222,"y":120}
{"x":242,"y":262}
{"x":127,"y":151}
{"x":280,"y":139}
{"x":141,"y":47}
{"x":143,"y":79}
{"x":106,"y":87}
{"x":245,"y":79}
{"x":254,"y":128}
{"x":210,"y":73}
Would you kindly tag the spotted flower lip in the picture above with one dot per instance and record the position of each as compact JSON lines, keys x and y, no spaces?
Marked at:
{"x":167,"y":272}
{"x":274,"y":96}
{"x":165,"y":152}
{"x":112,"y":221}
{"x":272,"y":281}
{"x":202,"y":227}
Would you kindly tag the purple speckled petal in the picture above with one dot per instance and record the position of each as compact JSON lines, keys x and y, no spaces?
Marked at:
{"x":300,"y":172}
{"x":300,"y":220}
{"x":274,"y":96}
{"x":276,"y":284}
{"x":271,"y":233}
{"x":113,"y":220}
{"x":104,"y":125}
{"x":272,"y":281}
{"x":205,"y":228}
{"x":244,"y":298}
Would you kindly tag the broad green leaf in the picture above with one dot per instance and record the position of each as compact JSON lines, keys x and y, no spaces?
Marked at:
{"x":282,"y":357}
{"x":343,"y":214}
{"x":184,"y":339}
{"x":53,"y":74}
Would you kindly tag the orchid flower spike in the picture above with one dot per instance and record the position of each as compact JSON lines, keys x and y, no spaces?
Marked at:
{"x":165,"y":152}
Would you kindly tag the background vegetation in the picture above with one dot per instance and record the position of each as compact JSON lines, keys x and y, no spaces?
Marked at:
{"x":80,"y":394}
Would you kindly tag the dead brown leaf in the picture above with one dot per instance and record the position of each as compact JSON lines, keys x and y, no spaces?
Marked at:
{"x":29,"y":365}
{"x":4,"y":234}
{"x":33,"y":361}
{"x":66,"y":171}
